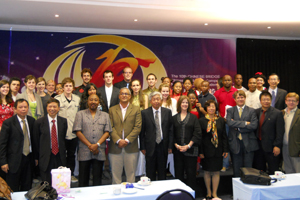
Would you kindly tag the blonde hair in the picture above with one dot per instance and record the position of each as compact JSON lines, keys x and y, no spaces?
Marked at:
{"x":169,"y":102}
{"x":292,"y":94}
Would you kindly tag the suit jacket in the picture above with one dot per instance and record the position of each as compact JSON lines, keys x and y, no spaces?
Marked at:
{"x":12,"y":141}
{"x":294,"y":135}
{"x":272,"y":129}
{"x":148,"y":132}
{"x":39,"y":112}
{"x":121,"y":84}
{"x":114,"y":100}
{"x":131,"y":125}
{"x":42,"y":140}
{"x":280,"y":99}
{"x":207,"y":148}
{"x":238,"y":125}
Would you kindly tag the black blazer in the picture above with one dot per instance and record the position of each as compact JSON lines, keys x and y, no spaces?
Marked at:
{"x":280,"y":99}
{"x":207,"y":148}
{"x":192,"y":131}
{"x":148,"y":132}
{"x":42,"y":140}
{"x":121,"y":84}
{"x":114,"y":100}
{"x":272,"y":129}
{"x":12,"y":141}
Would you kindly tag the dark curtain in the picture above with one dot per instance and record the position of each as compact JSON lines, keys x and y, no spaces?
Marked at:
{"x":270,"y":56}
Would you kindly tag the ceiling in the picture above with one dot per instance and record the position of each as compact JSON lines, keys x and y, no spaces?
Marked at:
{"x":231,"y":18}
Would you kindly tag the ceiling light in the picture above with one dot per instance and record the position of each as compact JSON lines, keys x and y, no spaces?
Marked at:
{"x":269,"y":27}
{"x":135,"y":20}
{"x":206,"y":24}
{"x":56,"y":15}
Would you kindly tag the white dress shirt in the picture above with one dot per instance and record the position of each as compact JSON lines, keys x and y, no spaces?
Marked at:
{"x":50,"y":126}
{"x":108,"y":92}
{"x":123,"y":111}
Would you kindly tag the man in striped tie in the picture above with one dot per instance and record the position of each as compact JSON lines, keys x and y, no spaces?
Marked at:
{"x":49,"y":140}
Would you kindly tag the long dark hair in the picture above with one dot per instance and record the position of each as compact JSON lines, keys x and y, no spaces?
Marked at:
{"x":85,"y":96}
{"x":8,"y":96}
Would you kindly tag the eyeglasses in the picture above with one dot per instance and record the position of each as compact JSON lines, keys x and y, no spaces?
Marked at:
{"x":126,"y":94}
{"x":291,"y":101}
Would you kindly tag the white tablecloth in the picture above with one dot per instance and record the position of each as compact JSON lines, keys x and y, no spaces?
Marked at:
{"x":106,"y":192}
{"x":289,"y":188}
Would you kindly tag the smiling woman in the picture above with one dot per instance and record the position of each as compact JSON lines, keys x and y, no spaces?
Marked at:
{"x":6,"y":102}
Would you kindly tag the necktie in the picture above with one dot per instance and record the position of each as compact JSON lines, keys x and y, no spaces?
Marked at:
{"x":261,"y":121}
{"x":127,"y":85}
{"x":240,"y":114}
{"x":54,"y":139}
{"x":158,"y":136}
{"x":273,"y":98}
{"x":26,"y":145}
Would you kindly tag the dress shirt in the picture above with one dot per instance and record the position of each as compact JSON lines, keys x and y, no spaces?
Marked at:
{"x":50,"y":126}
{"x":288,"y":118}
{"x":28,"y":131}
{"x":123,"y":110}
{"x":108,"y":91}
{"x":159,"y":118}
{"x":252,"y":99}
{"x":270,"y":90}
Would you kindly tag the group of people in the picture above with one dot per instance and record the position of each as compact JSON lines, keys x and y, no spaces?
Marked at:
{"x":255,"y":127}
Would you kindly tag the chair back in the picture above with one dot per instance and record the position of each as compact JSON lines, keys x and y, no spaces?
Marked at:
{"x":176,"y":194}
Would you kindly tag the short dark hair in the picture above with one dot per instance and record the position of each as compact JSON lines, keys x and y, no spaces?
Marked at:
{"x":67,"y":80}
{"x":220,"y":82}
{"x":86,"y":70}
{"x":14,"y":79}
{"x":260,"y":76}
{"x":51,"y":100}
{"x":187,"y":78}
{"x":29,"y":77}
{"x":108,"y":71}
{"x":265,"y":93}
{"x":20,"y":101}
{"x":207,"y":104}
{"x":273,"y":74}
{"x":151,"y":74}
{"x":163,"y":78}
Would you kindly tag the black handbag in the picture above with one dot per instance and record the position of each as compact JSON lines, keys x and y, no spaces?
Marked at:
{"x":42,"y":191}
{"x":255,"y":176}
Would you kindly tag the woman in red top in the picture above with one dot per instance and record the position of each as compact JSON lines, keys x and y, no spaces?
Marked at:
{"x":6,"y":102}
{"x":177,"y":90}
{"x":187,"y":85}
{"x":193,"y":98}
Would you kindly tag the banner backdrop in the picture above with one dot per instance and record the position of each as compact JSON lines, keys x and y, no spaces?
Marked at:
{"x":56,"y":55}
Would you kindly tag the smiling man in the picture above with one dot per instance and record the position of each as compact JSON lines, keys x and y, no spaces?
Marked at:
{"x":49,"y":140}
{"x":242,"y":122}
{"x":269,"y":135}
{"x":252,"y":95}
{"x":86,"y":75}
{"x":151,"y":80}
{"x":127,"y":74}
{"x":238,"y":80}
{"x":278,"y":95}
{"x":291,"y":139}
{"x":126,"y":122}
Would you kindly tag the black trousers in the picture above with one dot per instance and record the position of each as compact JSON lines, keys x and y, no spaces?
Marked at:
{"x":157,"y":163}
{"x":187,"y":164}
{"x":22,"y":179}
{"x":54,"y":163}
{"x":84,"y":172}
{"x":261,"y":158}
{"x":71,"y":146}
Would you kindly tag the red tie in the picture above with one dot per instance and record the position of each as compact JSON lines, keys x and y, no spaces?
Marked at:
{"x":54,"y":139}
{"x":261,"y":121}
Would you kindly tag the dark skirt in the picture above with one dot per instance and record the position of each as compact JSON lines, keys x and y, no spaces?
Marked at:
{"x":212,"y":164}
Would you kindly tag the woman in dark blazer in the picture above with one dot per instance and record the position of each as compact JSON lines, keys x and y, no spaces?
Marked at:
{"x":214,"y":147}
{"x":187,"y":137}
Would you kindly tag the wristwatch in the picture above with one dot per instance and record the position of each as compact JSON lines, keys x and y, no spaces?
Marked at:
{"x":98,"y":144}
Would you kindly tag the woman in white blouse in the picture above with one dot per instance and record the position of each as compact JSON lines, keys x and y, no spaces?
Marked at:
{"x":167,"y":101}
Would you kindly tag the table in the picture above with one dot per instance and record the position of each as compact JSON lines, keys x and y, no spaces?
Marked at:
{"x":289,"y":188}
{"x":105,"y":192}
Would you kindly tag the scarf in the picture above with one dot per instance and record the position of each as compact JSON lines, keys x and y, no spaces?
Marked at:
{"x":212,"y":127}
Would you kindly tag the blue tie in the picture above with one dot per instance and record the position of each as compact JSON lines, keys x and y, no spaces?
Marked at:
{"x":273,"y":98}
{"x":127,"y":85}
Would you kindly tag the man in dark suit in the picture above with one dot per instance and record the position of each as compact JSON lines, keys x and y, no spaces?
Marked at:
{"x":269,"y":133}
{"x":16,"y":148}
{"x":278,"y":95}
{"x":242,"y":122}
{"x":156,"y":138}
{"x":291,"y":139}
{"x":49,"y":135}
{"x":109,"y":93}
{"x":127,"y":74}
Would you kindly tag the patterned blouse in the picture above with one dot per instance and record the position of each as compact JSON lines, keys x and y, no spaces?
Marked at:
{"x":6,"y":111}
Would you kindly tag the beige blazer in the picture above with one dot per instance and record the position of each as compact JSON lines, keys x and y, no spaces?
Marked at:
{"x":39,"y":112}
{"x":132,"y":125}
{"x":68,"y":111}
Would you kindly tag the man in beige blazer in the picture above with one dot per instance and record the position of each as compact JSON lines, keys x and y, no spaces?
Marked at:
{"x":126,"y":122}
